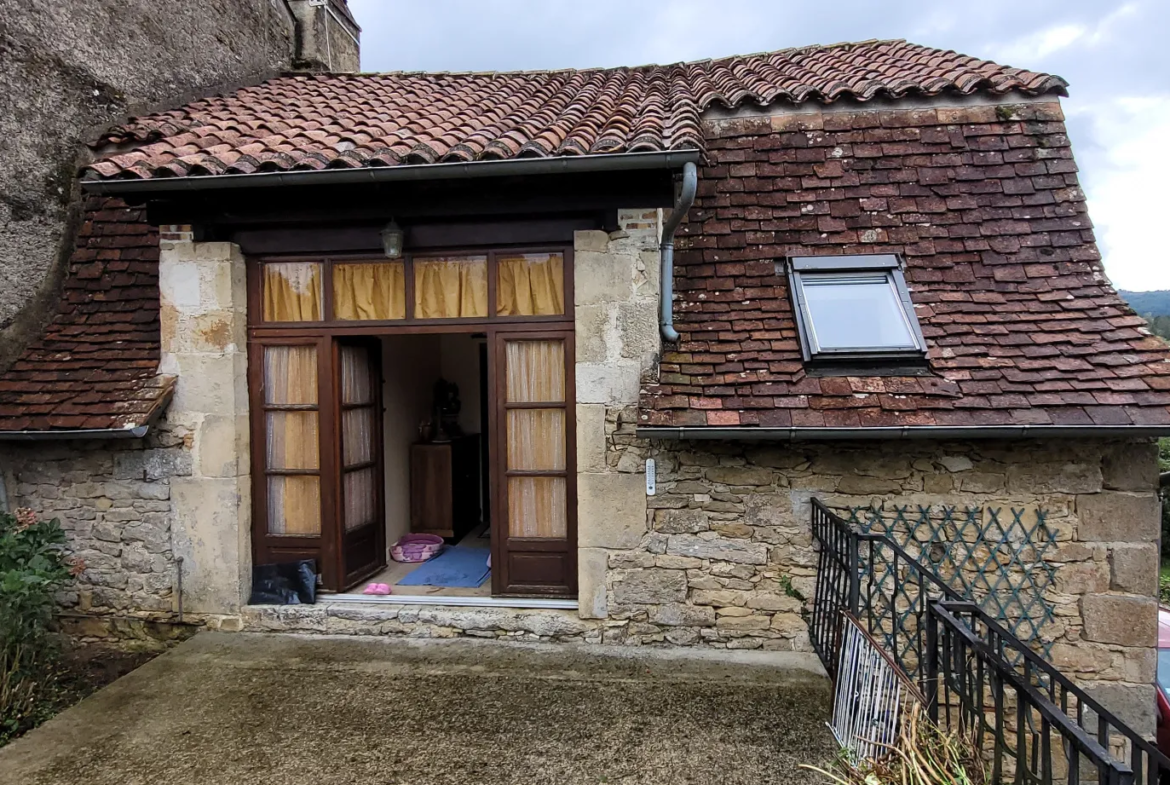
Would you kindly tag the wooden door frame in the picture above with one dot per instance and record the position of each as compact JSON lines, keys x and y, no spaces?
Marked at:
{"x":499,"y":479}
{"x":325,"y":334}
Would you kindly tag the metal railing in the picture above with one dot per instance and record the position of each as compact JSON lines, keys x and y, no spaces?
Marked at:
{"x":1029,"y":722}
{"x":872,"y":577}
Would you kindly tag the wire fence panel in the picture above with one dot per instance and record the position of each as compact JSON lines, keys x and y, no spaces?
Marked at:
{"x":871,"y":697}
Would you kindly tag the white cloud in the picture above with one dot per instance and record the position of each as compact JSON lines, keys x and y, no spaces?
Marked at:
{"x":1127,"y":187}
{"x":1035,"y":47}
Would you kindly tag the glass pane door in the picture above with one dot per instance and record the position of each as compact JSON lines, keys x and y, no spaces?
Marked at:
{"x":291,"y":441}
{"x":291,"y":519}
{"x":535,"y":432}
{"x":359,"y":418}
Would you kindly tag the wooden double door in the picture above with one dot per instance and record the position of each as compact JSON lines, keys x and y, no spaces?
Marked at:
{"x":318,"y":458}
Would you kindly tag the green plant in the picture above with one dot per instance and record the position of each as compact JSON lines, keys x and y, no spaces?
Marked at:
{"x":790,"y":590}
{"x":33,"y":567}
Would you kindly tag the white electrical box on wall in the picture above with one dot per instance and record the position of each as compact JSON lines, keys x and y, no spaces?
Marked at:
{"x":651,"y":477}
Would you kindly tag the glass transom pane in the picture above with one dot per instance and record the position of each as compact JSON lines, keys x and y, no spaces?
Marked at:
{"x":856,"y":311}
{"x":535,"y":371}
{"x":536,"y":439}
{"x":290,"y":375}
{"x":292,"y":292}
{"x":450,"y":288}
{"x":369,"y":291}
{"x":530,"y":284}
{"x":536,"y":507}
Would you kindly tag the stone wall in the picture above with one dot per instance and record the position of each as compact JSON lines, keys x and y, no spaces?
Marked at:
{"x":726,"y":558}
{"x":615,"y":281}
{"x":203,"y":317}
{"x":326,"y":38}
{"x":131,"y":509}
{"x":71,"y":68}
{"x":114,"y":502}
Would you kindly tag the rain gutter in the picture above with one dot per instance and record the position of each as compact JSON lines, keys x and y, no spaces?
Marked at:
{"x":798,"y":434}
{"x":686,"y":197}
{"x":511,"y":167}
{"x":135,"y":432}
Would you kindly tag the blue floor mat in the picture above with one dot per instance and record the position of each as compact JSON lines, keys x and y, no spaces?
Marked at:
{"x":454,"y":568}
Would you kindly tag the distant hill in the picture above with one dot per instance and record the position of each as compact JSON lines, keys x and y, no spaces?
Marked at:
{"x":1154,"y":306}
{"x":1148,"y":303}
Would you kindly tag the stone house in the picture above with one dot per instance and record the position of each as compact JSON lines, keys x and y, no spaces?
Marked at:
{"x":679,"y":302}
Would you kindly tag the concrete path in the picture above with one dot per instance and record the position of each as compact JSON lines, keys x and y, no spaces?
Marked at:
{"x":317,"y":710}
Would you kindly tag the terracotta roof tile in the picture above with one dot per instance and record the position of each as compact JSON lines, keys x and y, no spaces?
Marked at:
{"x":1023,"y":327}
{"x":96,"y":364}
{"x":303,"y":122}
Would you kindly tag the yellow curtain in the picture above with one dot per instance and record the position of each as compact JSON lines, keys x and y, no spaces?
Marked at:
{"x":290,"y":375}
{"x":292,"y":441}
{"x":294,"y":506}
{"x":369,"y":291}
{"x":536,"y":507}
{"x":450,"y":288}
{"x":530,"y":285}
{"x":535,"y":371}
{"x":536,"y":439}
{"x":292,"y":292}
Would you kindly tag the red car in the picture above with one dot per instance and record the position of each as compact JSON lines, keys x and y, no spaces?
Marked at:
{"x":1163,"y":680}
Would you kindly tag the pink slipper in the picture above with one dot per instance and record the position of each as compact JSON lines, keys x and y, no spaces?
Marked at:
{"x":377,"y":588}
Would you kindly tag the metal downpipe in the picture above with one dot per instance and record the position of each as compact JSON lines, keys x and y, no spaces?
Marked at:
{"x":686,"y":197}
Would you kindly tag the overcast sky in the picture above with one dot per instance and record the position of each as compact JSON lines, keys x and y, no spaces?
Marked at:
{"x":1113,"y":54}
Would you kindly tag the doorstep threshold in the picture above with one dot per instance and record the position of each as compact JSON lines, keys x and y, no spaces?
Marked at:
{"x":473,"y":602}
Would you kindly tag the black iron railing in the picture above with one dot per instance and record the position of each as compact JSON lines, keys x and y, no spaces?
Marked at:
{"x":869,"y":575}
{"x":1030,"y":722}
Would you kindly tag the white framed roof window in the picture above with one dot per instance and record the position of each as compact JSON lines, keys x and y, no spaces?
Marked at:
{"x":855,"y":309}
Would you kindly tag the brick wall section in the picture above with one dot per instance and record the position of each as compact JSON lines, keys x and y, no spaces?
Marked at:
{"x":983,"y":203}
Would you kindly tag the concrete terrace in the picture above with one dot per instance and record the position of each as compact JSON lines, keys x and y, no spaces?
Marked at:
{"x":248,"y":708}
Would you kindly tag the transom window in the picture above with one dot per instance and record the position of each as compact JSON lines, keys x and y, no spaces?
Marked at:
{"x":483,"y":286}
{"x":854,"y":309}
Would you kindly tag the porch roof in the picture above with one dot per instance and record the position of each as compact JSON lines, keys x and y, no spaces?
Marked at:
{"x":303,"y":122}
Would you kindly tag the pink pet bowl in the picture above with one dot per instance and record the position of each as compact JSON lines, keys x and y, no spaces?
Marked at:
{"x":412,"y":548}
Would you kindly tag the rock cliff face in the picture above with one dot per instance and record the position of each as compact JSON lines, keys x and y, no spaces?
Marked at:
{"x":69,"y":68}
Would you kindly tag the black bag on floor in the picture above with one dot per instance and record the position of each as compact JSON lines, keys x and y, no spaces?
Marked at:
{"x":291,"y":583}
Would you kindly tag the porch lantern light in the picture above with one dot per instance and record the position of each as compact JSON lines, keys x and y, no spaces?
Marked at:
{"x":392,"y":236}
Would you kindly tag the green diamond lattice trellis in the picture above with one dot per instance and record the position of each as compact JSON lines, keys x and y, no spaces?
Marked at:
{"x":992,"y":556}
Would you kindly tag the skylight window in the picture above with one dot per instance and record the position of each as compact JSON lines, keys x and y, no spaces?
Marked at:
{"x":855,"y":310}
